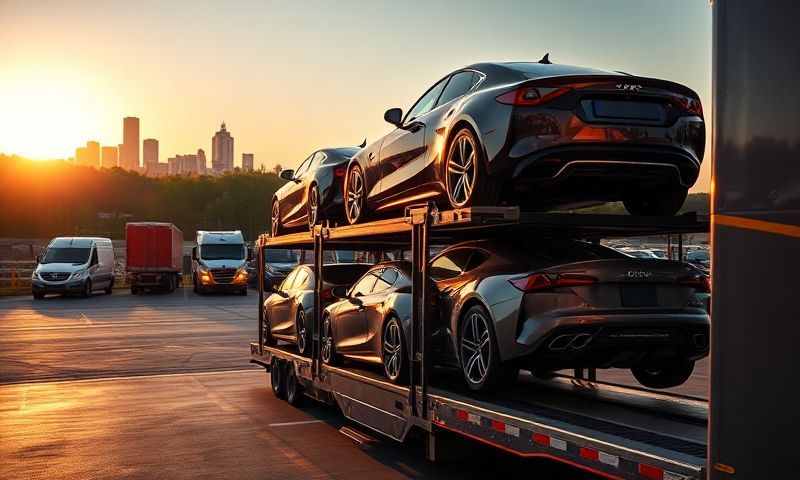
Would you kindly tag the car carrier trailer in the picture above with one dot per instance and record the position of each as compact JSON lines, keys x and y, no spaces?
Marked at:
{"x":611,"y":430}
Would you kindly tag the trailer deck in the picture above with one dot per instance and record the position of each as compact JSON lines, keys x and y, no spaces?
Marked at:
{"x":612,"y":431}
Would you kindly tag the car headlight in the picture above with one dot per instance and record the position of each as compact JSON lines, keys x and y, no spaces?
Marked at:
{"x":35,"y":275}
{"x":79,"y":274}
{"x":202,"y":269}
{"x":241,"y":275}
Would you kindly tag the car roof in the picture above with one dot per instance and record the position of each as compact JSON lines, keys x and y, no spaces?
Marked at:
{"x":515,"y":71}
{"x":79,"y":242}
{"x":223,"y":237}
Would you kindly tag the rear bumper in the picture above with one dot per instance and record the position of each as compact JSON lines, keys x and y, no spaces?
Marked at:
{"x":612,"y":339}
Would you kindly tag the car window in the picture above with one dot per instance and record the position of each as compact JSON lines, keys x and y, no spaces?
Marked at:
{"x":451,"y":264}
{"x":319,"y":157}
{"x":300,"y":280}
{"x":426,"y":102}
{"x":94,"y":257}
{"x":364,"y":286}
{"x":459,"y":84}
{"x":477,"y":259}
{"x":386,"y":280}
{"x":303,"y":167}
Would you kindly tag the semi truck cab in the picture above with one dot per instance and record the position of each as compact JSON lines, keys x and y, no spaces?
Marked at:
{"x":219,"y":262}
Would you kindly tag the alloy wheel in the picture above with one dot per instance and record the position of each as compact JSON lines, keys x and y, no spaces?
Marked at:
{"x":392,"y":350}
{"x":327,"y":341}
{"x":461,"y":169}
{"x":476,"y":348}
{"x":275,"y":219}
{"x":354,"y":199}
{"x":301,"y":330}
{"x":313,"y":206}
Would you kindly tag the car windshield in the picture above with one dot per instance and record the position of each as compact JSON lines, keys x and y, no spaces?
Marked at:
{"x":222,"y":252}
{"x":67,"y":255}
{"x":280,"y":255}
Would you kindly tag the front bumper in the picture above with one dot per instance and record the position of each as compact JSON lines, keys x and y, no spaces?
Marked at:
{"x":69,"y":286}
{"x":611,"y":339}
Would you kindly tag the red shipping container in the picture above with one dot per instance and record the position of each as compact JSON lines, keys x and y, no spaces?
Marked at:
{"x":153,"y":247}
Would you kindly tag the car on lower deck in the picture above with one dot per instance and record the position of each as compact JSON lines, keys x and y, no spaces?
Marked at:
{"x":540,"y":305}
{"x":288,"y":310}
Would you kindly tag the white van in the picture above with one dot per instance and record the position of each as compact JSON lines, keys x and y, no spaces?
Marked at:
{"x":74,"y":265}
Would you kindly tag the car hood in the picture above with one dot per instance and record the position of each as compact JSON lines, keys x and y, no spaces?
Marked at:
{"x":224,"y":263}
{"x":59,"y":267}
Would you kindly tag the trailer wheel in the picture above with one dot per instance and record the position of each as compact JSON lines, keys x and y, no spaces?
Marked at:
{"x":664,"y":376}
{"x":277,"y":378}
{"x":87,"y":289}
{"x":110,"y":288}
{"x":294,"y":391}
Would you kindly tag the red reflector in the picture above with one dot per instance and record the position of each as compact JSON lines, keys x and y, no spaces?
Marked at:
{"x":589,"y":453}
{"x":462,"y":415}
{"x":541,"y":439}
{"x":340,"y":171}
{"x":498,"y":426}
{"x":541,"y":281}
{"x":651,"y":472}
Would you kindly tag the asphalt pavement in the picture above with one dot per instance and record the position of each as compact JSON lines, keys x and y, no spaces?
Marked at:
{"x":159,"y":386}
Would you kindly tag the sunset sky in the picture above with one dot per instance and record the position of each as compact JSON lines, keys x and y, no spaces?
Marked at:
{"x":290,"y":77}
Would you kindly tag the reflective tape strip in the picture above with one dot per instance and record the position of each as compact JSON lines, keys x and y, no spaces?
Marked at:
{"x":608,"y":459}
{"x":558,"y":444}
{"x":472,"y":418}
{"x":512,"y":430}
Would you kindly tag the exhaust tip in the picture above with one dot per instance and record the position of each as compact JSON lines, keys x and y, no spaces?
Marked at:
{"x":561,"y":342}
{"x":580,"y":341}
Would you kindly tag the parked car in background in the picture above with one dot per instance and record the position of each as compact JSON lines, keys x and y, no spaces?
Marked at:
{"x":538,"y":135}
{"x":700,"y":259}
{"x":541,"y":305}
{"x":219,"y":262}
{"x":154,"y":256}
{"x":313,"y":191}
{"x":278,"y":262}
{"x":288,"y":310}
{"x":74,"y":265}
{"x":641,"y":253}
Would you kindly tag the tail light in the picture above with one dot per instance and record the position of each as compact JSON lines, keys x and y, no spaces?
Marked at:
{"x":529,"y":96}
{"x":689,"y":104}
{"x":340,"y":171}
{"x":541,"y":281}
{"x":700,"y":283}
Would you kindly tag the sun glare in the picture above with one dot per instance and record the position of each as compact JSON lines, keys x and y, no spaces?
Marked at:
{"x":46,"y":114}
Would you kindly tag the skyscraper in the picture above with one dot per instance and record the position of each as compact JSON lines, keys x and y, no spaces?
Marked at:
{"x":247,"y":162}
{"x":129,"y":155}
{"x":93,"y":154}
{"x":150,"y":155}
{"x":222,"y":151}
{"x":201,"y":161}
{"x":80,"y":156}
{"x":109,"y":157}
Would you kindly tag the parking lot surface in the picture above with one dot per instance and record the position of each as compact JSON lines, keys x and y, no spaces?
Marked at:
{"x":159,"y":386}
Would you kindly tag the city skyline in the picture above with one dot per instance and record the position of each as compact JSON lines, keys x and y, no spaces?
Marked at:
{"x":290,"y":80}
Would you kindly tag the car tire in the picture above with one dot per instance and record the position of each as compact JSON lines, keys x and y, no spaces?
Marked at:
{"x":275,"y":218}
{"x":355,"y":195}
{"x":243,"y":292}
{"x":38,"y":296}
{"x":87,"y":289}
{"x":327,"y":344}
{"x":266,"y":333}
{"x":110,"y":288}
{"x":466,"y":180}
{"x":313,"y":207}
{"x":394,"y":355}
{"x":277,"y":378}
{"x":658,"y":203}
{"x":294,"y":390}
{"x":477,"y":350}
{"x":664,"y":376}
{"x":301,"y":331}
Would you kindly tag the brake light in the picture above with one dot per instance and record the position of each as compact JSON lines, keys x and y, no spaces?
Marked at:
{"x":700,"y":283}
{"x":529,"y":96}
{"x":541,"y":281}
{"x":690,"y":105}
{"x":340,"y":171}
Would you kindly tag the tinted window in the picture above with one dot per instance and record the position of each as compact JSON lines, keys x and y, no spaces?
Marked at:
{"x":364,"y":286}
{"x":459,"y":84}
{"x":451,"y":264}
{"x":426,"y":103}
{"x":343,"y":274}
{"x":568,"y":251}
{"x":386,"y":280}
{"x":477,"y":259}
{"x":222,"y":251}
{"x":280,"y":255}
{"x":303,"y":167}
{"x":94,"y":257}
{"x":66,"y":255}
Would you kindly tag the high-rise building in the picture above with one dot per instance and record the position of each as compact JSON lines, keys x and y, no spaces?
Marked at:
{"x":81,"y":157}
{"x":93,"y":154}
{"x":222,"y":151}
{"x":247,"y":162}
{"x":150,"y":155}
{"x":129,"y":154}
{"x":109,"y":157}
{"x":201,"y":161}
{"x":186,"y":164}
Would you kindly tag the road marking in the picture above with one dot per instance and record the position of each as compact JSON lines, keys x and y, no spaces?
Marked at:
{"x":290,"y":424}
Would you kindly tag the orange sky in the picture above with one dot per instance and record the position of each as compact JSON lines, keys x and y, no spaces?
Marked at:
{"x":290,"y":77}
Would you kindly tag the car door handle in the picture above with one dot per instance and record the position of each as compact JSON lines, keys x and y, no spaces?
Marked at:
{"x":415,"y":127}
{"x":371,"y":156}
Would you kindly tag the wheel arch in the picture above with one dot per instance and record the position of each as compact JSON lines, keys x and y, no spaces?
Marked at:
{"x":461,"y":121}
{"x":474,"y":299}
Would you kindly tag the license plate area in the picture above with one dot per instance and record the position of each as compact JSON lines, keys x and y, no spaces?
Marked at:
{"x":639,"y":296}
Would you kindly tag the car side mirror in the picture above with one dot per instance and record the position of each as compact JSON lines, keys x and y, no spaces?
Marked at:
{"x":339,"y":292}
{"x":394,"y":116}
{"x":194,"y":253}
{"x":287,"y":174}
{"x":39,"y":258}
